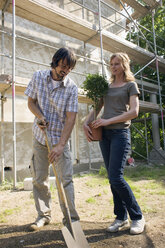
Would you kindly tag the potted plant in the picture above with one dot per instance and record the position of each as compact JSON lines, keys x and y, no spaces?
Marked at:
{"x":95,"y":87}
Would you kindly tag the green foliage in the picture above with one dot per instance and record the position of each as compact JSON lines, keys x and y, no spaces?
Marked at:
{"x":103,"y":172}
{"x":145,"y":172}
{"x":91,"y":200}
{"x":8,"y":185}
{"x":95,"y":86}
{"x":142,"y":172}
{"x":159,"y":28}
{"x":7,"y":212}
{"x":138,"y":143}
{"x":96,"y":181}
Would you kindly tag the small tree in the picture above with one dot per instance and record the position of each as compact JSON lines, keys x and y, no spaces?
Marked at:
{"x":95,"y":86}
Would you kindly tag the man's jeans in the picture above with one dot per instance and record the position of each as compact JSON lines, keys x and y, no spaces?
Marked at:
{"x":115,"y":146}
{"x":40,"y":170}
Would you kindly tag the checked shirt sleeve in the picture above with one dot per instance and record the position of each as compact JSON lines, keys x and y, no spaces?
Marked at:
{"x":31,"y":89}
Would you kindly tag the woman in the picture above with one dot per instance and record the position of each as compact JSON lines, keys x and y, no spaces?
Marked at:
{"x":121,"y":104}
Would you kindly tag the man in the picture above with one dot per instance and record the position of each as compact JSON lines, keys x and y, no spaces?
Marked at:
{"x":53,"y":99}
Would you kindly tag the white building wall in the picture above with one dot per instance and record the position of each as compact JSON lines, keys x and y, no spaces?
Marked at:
{"x":43,"y":54}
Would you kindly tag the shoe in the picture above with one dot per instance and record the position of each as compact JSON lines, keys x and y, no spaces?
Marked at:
{"x":137,"y":226}
{"x":39,"y":223}
{"x":116,"y":225}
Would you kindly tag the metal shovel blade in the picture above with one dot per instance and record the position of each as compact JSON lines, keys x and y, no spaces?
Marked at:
{"x":73,"y":235}
{"x":79,"y":240}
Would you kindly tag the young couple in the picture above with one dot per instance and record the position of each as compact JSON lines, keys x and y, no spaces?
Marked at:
{"x":53,"y":99}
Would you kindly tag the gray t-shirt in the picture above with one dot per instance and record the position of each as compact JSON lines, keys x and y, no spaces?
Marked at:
{"x":116,"y":102}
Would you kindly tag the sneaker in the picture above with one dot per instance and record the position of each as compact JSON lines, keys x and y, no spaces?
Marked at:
{"x":39,"y":223}
{"x":117,"y":225}
{"x":137,"y":226}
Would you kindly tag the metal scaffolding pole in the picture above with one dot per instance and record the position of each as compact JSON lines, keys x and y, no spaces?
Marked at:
{"x":145,"y":122}
{"x":100,"y":4}
{"x":2,"y":140}
{"x":2,"y":108}
{"x":101,"y":38}
{"x":13,"y":97}
{"x":163,"y":157}
{"x":2,"y":95}
{"x":158,"y":77}
{"x":136,"y":26}
{"x":145,"y":66}
{"x":83,"y":14}
{"x":2,"y":45}
{"x":87,"y":109}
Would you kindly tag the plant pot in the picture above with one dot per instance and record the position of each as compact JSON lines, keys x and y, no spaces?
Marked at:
{"x":96,"y":133}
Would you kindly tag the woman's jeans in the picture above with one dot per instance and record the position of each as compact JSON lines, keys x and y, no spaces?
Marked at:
{"x":114,"y":147}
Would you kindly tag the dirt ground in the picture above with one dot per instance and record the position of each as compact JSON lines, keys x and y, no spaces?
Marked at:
{"x":95,"y":207}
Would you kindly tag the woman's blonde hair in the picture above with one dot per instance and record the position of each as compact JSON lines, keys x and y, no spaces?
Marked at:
{"x":125,"y":61}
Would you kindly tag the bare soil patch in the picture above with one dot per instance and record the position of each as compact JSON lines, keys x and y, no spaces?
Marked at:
{"x":95,"y":207}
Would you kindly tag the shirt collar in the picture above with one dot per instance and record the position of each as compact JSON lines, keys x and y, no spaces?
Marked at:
{"x":60,"y":83}
{"x":65,"y":81}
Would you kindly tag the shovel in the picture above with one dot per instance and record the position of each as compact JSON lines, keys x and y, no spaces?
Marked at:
{"x":73,"y":233}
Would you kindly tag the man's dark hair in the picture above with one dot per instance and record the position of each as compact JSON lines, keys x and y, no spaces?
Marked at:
{"x":64,"y":53}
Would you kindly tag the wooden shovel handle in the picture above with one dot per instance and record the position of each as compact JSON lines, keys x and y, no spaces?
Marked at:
{"x":59,"y":186}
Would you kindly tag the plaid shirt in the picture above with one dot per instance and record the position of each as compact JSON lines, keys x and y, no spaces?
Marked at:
{"x":54,"y":100}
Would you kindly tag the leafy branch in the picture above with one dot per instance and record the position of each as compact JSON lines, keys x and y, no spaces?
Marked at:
{"x":95,"y":87}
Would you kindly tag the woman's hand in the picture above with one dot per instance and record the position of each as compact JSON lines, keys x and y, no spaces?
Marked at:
{"x":88,"y":132}
{"x":100,"y":122}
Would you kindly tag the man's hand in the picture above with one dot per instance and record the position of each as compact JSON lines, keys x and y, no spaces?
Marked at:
{"x":42,"y":123}
{"x":55,"y":153}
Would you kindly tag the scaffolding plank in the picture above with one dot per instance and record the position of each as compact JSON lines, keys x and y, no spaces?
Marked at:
{"x":53,"y":17}
{"x":137,"y":14}
{"x":152,"y":3}
{"x":64,"y":22}
{"x":137,"y":6}
{"x":148,"y":86}
{"x":143,"y":105}
{"x":148,"y":107}
{"x":6,"y":86}
{"x":114,"y":43}
{"x":5,"y":82}
{"x":2,"y":4}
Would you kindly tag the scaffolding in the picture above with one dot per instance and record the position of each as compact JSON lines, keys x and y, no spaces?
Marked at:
{"x":60,"y":20}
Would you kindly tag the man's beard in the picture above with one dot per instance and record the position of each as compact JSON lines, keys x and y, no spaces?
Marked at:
{"x":59,"y":76}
